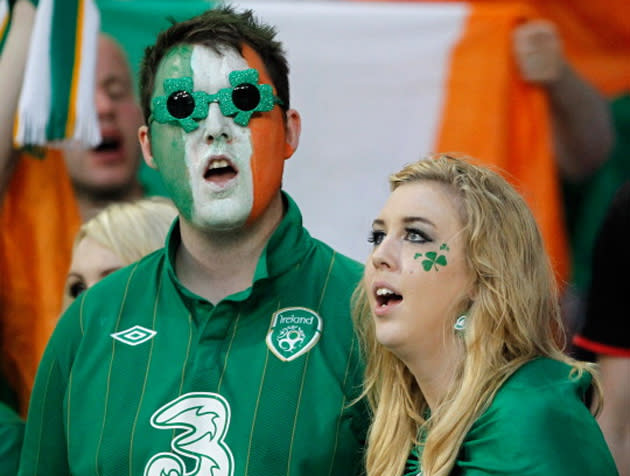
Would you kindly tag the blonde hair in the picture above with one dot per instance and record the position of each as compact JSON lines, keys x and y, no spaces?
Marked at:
{"x":513,"y":319}
{"x":131,"y":229}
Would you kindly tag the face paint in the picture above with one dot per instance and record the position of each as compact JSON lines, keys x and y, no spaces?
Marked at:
{"x":219,"y":174}
{"x":270,"y":146}
{"x":167,"y":141}
{"x":432,"y":260}
{"x":414,"y":304}
{"x":208,"y":167}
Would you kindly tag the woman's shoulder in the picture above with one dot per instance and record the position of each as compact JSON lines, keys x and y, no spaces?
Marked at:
{"x":542,"y":385}
{"x":538,"y":419}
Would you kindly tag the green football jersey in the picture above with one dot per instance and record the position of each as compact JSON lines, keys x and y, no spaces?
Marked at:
{"x":537,"y":425}
{"x":142,"y":377}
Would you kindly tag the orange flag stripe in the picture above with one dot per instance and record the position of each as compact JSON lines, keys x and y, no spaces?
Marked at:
{"x":491,"y":114}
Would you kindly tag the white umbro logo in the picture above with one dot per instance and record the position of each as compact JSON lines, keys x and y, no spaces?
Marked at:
{"x":134,"y":335}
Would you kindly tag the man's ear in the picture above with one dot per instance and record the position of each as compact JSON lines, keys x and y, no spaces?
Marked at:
{"x":145,"y":145}
{"x":293,"y":129}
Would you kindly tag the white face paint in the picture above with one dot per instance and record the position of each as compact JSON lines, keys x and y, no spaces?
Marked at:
{"x":222,"y":198}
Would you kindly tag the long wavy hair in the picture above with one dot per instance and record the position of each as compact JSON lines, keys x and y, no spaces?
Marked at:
{"x":513,"y":319}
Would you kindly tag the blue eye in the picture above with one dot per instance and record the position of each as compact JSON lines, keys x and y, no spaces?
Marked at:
{"x":416,"y":236}
{"x":376,"y":237}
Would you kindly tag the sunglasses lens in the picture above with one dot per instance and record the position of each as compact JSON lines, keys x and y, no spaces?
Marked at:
{"x":180,"y":104}
{"x":245,"y":96}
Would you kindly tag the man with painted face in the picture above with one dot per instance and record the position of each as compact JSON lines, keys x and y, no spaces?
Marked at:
{"x":230,"y":351}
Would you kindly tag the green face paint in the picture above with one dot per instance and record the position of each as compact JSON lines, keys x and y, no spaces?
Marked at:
{"x":204,"y":158}
{"x":432,"y":260}
{"x":167,"y":142}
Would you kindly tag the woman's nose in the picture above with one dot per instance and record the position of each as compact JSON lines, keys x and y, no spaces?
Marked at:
{"x":386,"y":254}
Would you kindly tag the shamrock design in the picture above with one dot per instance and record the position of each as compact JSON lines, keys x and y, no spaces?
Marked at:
{"x":247,"y":77}
{"x":432,"y":259}
{"x":184,"y":85}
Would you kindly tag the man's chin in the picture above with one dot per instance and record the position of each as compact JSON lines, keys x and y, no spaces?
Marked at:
{"x":222,"y":216}
{"x":219,"y":225}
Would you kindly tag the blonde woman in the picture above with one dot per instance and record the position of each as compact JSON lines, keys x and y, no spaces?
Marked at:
{"x":118,"y":235}
{"x":460,"y":326}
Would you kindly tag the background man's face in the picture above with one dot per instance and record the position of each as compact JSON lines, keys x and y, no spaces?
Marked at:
{"x":110,"y":169}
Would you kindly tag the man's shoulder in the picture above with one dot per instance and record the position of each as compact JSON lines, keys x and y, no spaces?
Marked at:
{"x":341,"y":262}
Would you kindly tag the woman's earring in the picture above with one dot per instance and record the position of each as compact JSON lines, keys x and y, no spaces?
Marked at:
{"x":460,"y":324}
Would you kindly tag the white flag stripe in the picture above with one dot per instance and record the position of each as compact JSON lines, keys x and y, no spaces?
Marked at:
{"x":4,"y":12}
{"x":35,"y":98}
{"x":35,"y":103}
{"x":368,"y":80}
{"x":87,"y":130}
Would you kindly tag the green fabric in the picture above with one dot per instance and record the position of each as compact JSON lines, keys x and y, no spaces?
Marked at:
{"x":7,"y":29}
{"x":537,"y":425}
{"x":586,"y":202}
{"x":63,"y":32}
{"x":94,"y":396}
{"x":136,"y":24}
{"x":11,"y":437}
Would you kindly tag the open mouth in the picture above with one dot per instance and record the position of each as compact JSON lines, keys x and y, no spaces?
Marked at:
{"x":386,"y":297}
{"x":108,"y":144}
{"x":220,"y":170}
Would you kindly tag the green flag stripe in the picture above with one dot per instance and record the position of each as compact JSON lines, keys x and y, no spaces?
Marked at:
{"x":62,"y":59}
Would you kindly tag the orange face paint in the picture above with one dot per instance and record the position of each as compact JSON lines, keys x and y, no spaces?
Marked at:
{"x":269,"y":144}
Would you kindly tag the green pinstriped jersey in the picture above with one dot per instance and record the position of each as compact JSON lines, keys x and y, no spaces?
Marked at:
{"x":142,"y":377}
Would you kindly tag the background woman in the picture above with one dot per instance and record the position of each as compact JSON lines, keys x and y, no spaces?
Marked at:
{"x":118,"y":235}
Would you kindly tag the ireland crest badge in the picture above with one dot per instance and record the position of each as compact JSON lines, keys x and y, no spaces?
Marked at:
{"x":294,"y":331}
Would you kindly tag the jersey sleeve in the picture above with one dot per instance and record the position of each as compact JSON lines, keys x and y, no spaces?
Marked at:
{"x":44,"y":449}
{"x":536,"y":432}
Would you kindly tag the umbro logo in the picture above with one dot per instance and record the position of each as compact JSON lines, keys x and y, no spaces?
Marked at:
{"x":134,"y":335}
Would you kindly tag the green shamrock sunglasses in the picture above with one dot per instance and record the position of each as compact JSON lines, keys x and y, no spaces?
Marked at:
{"x":181,"y":106}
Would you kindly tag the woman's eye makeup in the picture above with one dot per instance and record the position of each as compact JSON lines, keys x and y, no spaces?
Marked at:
{"x":413,"y":235}
{"x":376,"y":236}
{"x":416,"y":235}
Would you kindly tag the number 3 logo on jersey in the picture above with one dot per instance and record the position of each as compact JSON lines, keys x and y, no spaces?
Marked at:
{"x":205,"y":417}
{"x":294,"y":331}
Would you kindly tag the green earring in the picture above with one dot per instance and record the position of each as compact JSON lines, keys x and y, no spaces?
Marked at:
{"x":460,"y":324}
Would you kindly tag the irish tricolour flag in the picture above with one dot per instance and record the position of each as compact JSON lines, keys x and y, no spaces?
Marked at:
{"x":56,"y":103}
{"x":382,"y":84}
{"x":378,"y":85}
